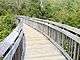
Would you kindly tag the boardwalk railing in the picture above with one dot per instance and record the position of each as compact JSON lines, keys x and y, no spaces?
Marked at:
{"x":11,"y":48}
{"x":65,"y":38}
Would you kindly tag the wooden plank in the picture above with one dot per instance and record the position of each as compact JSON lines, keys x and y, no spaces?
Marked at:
{"x":60,"y":48}
{"x":39,"y":47}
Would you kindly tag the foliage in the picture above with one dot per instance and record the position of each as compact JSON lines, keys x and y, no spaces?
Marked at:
{"x":64,"y":11}
{"x":7,"y":23}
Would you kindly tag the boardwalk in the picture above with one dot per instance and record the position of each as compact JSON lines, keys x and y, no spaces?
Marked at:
{"x":47,"y":45}
{"x":38,"y":47}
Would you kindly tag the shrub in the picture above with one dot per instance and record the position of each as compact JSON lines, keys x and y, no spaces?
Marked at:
{"x":7,"y":23}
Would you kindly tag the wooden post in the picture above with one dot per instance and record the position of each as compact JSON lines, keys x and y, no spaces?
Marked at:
{"x":75,"y":50}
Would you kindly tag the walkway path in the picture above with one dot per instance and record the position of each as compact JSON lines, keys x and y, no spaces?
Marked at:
{"x":38,"y":47}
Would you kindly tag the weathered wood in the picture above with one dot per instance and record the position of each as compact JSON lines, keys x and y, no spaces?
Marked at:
{"x":67,"y":33}
{"x":63,"y":26}
{"x":75,"y":30}
{"x":10,"y":44}
{"x":12,"y":51}
{"x":75,"y":47}
{"x":62,"y":35}
{"x":8,"y":41}
{"x":78,"y":52}
{"x":38,"y":47}
{"x":72,"y":44}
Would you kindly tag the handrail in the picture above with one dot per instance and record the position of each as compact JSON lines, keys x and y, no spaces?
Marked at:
{"x":63,"y":26}
{"x":65,"y":40}
{"x":11,"y":43}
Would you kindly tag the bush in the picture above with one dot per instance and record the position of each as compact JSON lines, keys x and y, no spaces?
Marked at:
{"x":64,"y":11}
{"x":7,"y":23}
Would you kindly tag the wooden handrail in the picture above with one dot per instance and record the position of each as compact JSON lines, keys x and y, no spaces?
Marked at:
{"x":63,"y":26}
{"x":11,"y":43}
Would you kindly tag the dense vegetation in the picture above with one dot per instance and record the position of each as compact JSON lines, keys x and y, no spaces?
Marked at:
{"x":7,"y":22}
{"x":6,"y":25}
{"x":64,"y":11}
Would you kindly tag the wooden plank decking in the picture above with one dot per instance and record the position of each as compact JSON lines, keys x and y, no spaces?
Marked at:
{"x":38,"y":47}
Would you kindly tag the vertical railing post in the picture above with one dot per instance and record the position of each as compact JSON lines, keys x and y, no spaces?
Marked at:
{"x":72,"y":44}
{"x":55,"y":35}
{"x":63,"y":37}
{"x":17,"y":54}
{"x":78,"y":52}
{"x":75,"y":48}
{"x":52,"y":34}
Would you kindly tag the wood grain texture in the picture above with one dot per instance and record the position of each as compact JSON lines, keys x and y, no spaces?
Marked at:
{"x":38,"y":47}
